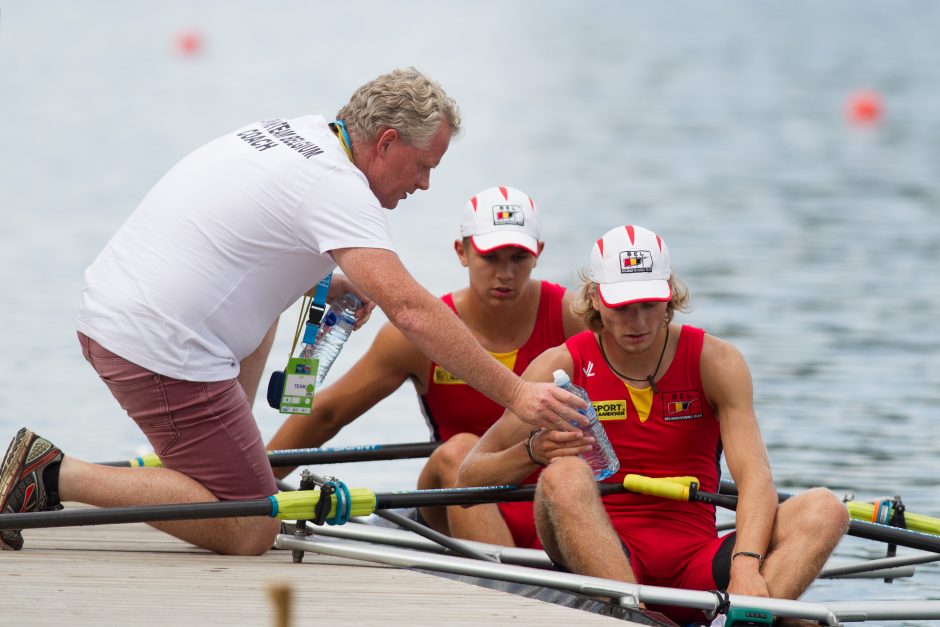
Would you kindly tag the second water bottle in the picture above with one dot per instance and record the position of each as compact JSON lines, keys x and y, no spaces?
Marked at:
{"x":602,"y":458}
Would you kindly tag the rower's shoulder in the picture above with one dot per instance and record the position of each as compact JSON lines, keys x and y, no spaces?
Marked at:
{"x":716,"y":348}
{"x":722,"y":367}
{"x":542,"y":367}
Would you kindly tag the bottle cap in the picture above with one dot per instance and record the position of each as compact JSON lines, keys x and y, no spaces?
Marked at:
{"x":561,"y":378}
{"x":351,"y":301}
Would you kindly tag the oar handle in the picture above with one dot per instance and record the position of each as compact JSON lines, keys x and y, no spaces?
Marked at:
{"x":677,"y":489}
{"x":674,"y":488}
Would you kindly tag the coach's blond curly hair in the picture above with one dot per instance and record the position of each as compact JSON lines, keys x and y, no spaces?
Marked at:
{"x":583,"y":308}
{"x":405,"y":100}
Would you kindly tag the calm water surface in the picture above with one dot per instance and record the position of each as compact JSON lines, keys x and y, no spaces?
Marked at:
{"x":809,"y":241}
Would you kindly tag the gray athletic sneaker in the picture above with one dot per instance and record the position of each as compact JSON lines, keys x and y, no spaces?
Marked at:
{"x":21,"y":481}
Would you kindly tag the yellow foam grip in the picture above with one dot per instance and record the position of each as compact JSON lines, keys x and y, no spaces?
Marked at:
{"x":675,"y":488}
{"x":150,"y":460}
{"x":914,"y":522}
{"x":302,"y":504}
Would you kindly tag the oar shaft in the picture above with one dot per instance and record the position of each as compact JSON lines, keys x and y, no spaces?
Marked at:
{"x":337,"y":455}
{"x":147,"y":513}
{"x":372,"y":452}
{"x":894,"y":535}
{"x":301,"y":505}
{"x":476,"y":496}
{"x":869,"y":530}
{"x":290,"y":506}
{"x":455,"y":496}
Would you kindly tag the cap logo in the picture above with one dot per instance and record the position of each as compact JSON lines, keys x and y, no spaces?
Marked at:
{"x":635,"y":261}
{"x":508,"y":214}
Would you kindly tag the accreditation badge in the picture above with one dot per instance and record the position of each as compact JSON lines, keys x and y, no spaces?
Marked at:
{"x":300,"y":378}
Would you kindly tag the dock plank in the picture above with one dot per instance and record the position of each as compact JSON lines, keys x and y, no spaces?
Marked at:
{"x":131,"y":574}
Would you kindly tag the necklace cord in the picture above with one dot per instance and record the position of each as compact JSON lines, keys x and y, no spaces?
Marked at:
{"x":650,"y":378}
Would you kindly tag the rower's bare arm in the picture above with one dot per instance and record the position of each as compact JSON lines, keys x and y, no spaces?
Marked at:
{"x":380,"y":371}
{"x":500,"y":456}
{"x":727,"y":383}
{"x":434,"y":330}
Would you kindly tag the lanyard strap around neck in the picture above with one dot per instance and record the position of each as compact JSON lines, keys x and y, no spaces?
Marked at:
{"x":343,"y":136}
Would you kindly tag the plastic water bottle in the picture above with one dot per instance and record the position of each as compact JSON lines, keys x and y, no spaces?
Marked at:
{"x":602,"y":458}
{"x":337,"y":324}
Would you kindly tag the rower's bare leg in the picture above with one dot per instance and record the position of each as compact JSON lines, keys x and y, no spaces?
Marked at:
{"x":482,"y":523}
{"x":806,"y":530}
{"x":83,"y":482}
{"x":252,"y":367}
{"x":573,"y":525}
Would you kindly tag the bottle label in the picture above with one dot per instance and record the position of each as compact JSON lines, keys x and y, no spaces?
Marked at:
{"x":299,"y":385}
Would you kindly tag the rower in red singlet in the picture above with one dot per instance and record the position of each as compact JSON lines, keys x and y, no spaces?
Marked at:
{"x":672,"y":399}
{"x":513,"y":316}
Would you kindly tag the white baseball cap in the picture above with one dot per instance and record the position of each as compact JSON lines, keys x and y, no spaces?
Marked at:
{"x":631,"y":264}
{"x":501,"y":216}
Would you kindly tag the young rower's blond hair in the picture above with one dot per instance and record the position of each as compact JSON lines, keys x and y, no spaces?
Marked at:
{"x":584,"y":309}
{"x":405,"y":100}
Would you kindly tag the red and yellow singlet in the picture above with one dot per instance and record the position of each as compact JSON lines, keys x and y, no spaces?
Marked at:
{"x":451,"y":406}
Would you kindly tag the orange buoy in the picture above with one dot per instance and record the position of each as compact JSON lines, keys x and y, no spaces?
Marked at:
{"x":865,"y":107}
{"x":188,"y":42}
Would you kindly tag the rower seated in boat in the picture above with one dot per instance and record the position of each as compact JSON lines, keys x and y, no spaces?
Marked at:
{"x":672,"y":399}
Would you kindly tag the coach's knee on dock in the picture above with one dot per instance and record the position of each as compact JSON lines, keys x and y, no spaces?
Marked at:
{"x":253,"y":536}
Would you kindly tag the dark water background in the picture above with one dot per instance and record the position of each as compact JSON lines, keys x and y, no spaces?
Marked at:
{"x":808,"y":240}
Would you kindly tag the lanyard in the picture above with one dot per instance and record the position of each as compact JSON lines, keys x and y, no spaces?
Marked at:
{"x":315,"y":307}
{"x":343,"y":136}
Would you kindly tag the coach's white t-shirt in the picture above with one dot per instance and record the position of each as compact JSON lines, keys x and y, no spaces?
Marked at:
{"x":228,"y":239}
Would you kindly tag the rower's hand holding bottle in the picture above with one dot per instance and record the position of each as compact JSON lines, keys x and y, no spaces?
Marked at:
{"x":547,"y":445}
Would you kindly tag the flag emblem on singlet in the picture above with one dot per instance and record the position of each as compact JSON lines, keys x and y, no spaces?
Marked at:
{"x":508,"y":214}
{"x":686,"y":405}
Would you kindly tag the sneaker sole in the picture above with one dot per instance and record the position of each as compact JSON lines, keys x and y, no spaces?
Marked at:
{"x":9,"y":474}
{"x":12,"y":465}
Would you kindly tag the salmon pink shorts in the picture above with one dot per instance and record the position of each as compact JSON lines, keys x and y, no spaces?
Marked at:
{"x":203,"y":430}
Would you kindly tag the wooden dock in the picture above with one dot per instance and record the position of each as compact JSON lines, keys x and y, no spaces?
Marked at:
{"x":134,"y":575}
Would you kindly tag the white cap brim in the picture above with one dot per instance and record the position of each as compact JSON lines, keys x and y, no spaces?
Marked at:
{"x":627,"y":292}
{"x":502,"y":239}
